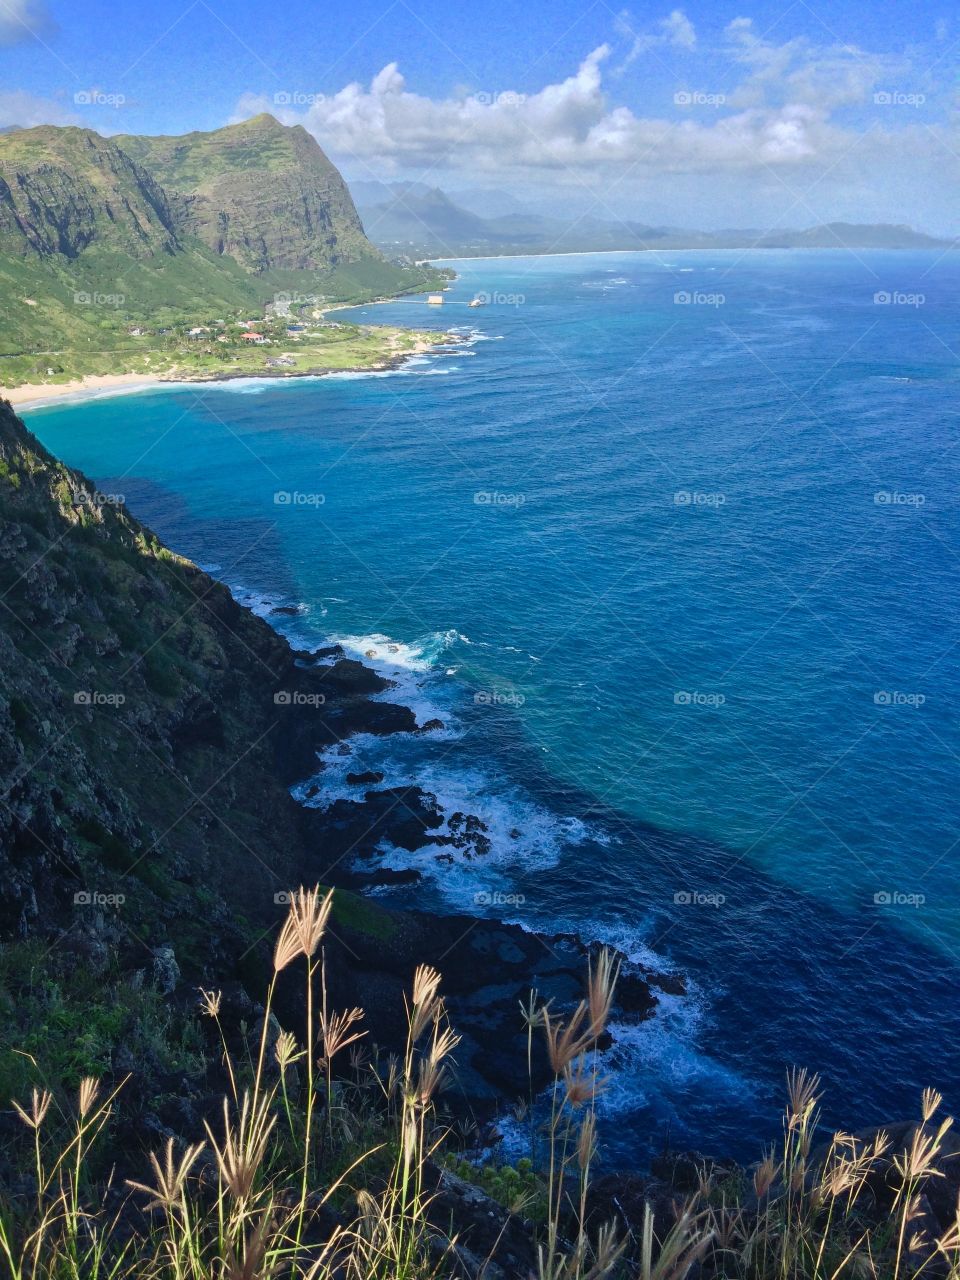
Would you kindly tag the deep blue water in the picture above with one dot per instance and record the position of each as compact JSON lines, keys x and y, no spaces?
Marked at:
{"x":681,"y":579}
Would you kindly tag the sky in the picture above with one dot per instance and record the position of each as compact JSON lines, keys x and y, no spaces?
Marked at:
{"x":723,"y":114}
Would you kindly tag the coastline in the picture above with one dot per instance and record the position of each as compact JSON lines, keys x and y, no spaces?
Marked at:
{"x":38,"y":395}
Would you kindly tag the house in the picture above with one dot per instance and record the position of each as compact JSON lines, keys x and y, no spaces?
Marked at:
{"x":136,"y":331}
{"x":253,"y":337}
{"x":198,"y":332}
{"x":435,"y":300}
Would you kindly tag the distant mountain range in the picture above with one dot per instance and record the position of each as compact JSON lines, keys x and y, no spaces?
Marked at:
{"x":173,"y":226}
{"x":424,"y":221}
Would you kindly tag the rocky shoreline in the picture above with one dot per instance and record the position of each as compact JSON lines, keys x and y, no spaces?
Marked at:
{"x":151,"y":731}
{"x":488,"y":967}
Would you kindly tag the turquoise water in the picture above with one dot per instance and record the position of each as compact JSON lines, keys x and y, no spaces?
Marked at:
{"x":680,"y":578}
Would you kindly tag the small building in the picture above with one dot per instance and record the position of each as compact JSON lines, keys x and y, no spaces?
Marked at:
{"x":136,"y":331}
{"x":197,"y":332}
{"x":253,"y":337}
{"x":435,"y":300}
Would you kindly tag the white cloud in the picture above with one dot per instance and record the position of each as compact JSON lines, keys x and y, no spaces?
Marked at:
{"x":786,"y":116}
{"x":676,"y":31}
{"x":17,"y":107}
{"x":21,"y":20}
{"x":572,"y":124}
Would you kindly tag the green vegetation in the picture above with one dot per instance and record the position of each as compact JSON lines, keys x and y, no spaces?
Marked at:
{"x":58,"y":1023}
{"x":327,"y":1161}
{"x":100,"y":237}
{"x":518,"y":1188}
{"x":221,"y":351}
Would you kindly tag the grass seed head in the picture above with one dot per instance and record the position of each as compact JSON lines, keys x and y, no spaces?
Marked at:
{"x":170,"y":1177}
{"x":39,"y":1106}
{"x":89,"y":1090}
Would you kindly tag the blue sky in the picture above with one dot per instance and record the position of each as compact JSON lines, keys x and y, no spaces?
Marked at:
{"x":697,"y":115}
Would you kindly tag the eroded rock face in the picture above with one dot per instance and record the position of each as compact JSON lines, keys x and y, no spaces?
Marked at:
{"x":72,"y":189}
{"x":258,"y":192}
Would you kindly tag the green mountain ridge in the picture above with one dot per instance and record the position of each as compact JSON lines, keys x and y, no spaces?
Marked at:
{"x":100,"y":234}
{"x":64,"y":190}
{"x":259,"y":192}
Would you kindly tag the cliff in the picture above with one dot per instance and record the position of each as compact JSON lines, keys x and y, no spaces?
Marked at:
{"x":259,"y":192}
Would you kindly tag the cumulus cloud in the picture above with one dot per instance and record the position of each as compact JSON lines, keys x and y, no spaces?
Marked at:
{"x":572,"y":124}
{"x":22,"y":20}
{"x":788,"y":114}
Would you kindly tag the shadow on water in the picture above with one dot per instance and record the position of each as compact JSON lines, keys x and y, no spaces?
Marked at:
{"x":779,"y":976}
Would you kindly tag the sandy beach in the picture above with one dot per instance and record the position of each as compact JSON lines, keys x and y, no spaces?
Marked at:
{"x":31,"y":394}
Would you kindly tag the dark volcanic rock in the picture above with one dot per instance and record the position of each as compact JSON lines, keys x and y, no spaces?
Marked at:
{"x":368,"y":777}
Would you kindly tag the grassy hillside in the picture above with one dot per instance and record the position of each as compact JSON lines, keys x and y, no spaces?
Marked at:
{"x":100,"y":236}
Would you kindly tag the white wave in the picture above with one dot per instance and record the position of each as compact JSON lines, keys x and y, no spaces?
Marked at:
{"x":387,"y":655}
{"x":523,"y":835}
{"x":408,"y":665}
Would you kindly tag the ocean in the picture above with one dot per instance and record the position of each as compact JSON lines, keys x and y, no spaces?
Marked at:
{"x":669,"y":542}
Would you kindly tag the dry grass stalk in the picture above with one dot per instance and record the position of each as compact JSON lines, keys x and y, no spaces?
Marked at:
{"x":170,"y":1178}
{"x":240,"y":1155}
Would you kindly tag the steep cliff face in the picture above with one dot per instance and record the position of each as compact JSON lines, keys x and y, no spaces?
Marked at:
{"x":136,"y":713}
{"x":65,"y":190}
{"x":260,"y":192}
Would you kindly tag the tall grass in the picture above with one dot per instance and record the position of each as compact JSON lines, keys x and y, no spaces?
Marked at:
{"x":325,"y":1163}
